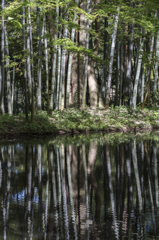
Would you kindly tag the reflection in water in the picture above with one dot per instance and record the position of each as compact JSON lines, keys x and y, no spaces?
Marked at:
{"x":79,"y":192}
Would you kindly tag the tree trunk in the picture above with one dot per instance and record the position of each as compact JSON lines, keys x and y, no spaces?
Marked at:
{"x":86,"y":58}
{"x":25,"y":68}
{"x":129,"y":69}
{"x":156,"y":69}
{"x":53,"y":79}
{"x":105,"y":57}
{"x":13,"y":78}
{"x":149,"y":75}
{"x":2,"y":64}
{"x":95,"y":95}
{"x":121,"y":75}
{"x":28,"y":58}
{"x":39,"y":62}
{"x":111,"y":60}
{"x":118,"y":73}
{"x":46,"y":64}
{"x":81,"y":58}
{"x":9,"y":90}
{"x":63,"y":66}
{"x":30,"y":66}
{"x":142,"y":84}
{"x":70,"y":61}
{"x":32,"y":71}
{"x":58,"y":77}
{"x":74,"y":76}
{"x":137,"y":75}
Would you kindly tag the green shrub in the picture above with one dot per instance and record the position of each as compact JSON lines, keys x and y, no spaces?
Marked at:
{"x":40,"y":124}
{"x":7,"y":121}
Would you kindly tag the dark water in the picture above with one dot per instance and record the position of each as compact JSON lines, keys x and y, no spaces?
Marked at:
{"x":91,"y":191}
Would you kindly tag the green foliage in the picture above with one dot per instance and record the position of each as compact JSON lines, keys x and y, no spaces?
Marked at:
{"x":72,"y":120}
{"x":75,"y":119}
{"x":96,"y":120}
{"x":7,"y":121}
{"x":41,"y":124}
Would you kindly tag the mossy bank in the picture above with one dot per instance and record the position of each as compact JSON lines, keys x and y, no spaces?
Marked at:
{"x":73,"y":121}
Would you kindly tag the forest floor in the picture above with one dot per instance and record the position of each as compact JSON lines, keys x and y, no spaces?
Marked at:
{"x":73,"y":121}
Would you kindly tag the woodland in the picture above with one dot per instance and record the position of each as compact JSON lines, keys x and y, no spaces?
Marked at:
{"x":64,"y":54}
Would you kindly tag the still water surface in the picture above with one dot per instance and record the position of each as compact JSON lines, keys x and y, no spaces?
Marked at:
{"x":91,"y":191}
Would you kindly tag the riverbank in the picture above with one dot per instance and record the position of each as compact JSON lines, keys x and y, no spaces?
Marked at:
{"x":73,"y":121}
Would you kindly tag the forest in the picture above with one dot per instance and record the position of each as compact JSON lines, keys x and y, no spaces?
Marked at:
{"x":72,"y":54}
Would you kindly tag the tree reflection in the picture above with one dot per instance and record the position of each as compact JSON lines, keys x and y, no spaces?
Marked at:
{"x":90,"y":191}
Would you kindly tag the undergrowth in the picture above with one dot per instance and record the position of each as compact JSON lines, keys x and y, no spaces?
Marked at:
{"x":40,"y":124}
{"x":73,"y":119}
{"x":7,"y":122}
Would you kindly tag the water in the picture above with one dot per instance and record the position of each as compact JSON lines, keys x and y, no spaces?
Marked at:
{"x":103,"y":190}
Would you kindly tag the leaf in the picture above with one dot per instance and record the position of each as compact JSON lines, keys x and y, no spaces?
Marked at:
{"x":18,"y":24}
{"x":10,"y":18}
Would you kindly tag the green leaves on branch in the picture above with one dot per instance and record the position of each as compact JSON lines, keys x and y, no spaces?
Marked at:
{"x":15,"y":22}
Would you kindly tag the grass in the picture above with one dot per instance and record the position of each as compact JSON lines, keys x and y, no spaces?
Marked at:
{"x":75,"y":120}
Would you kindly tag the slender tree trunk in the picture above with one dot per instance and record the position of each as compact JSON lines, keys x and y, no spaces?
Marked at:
{"x":39,"y":61}
{"x":149,"y":75}
{"x":75,"y":74}
{"x":25,"y":70}
{"x":70,"y":60}
{"x":129,"y":69}
{"x":13,"y":78}
{"x":63,"y":66}
{"x":147,"y":88}
{"x":156,"y":68}
{"x":9,"y":90}
{"x":80,"y":56}
{"x":59,"y":77}
{"x":142,"y":84}
{"x":53,"y":80}
{"x":118,"y":73}
{"x":28,"y":57}
{"x":2,"y":64}
{"x":0,"y":80}
{"x":60,"y":80}
{"x":30,"y":65}
{"x":86,"y":58}
{"x":105,"y":57}
{"x":137,"y":74}
{"x":121,"y":74}
{"x":111,"y":60}
{"x":125,"y":64}
{"x":46,"y":64}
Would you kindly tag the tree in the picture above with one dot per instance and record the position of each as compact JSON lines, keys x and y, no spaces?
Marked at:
{"x":65,"y":47}
{"x":111,"y":58}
